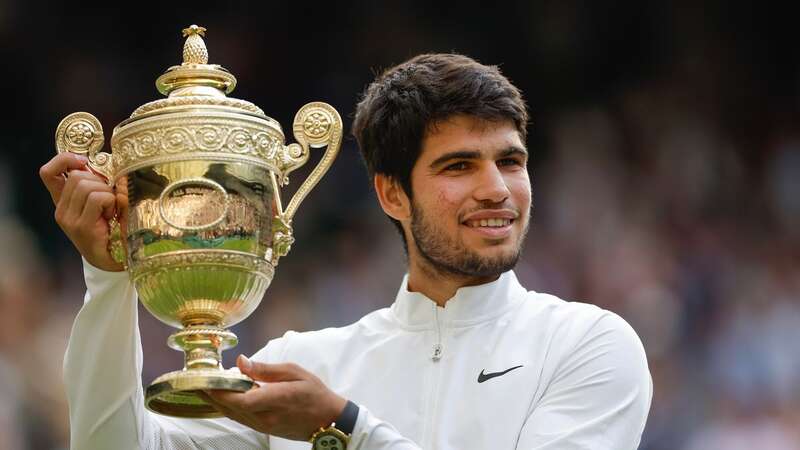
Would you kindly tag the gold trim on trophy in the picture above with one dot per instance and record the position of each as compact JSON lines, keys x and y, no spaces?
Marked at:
{"x":200,"y":224}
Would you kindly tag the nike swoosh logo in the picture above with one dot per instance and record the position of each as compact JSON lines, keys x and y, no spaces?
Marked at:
{"x":488,"y":376}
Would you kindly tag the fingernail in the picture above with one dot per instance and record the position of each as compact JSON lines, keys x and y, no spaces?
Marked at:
{"x":245,"y":363}
{"x":80,"y":158}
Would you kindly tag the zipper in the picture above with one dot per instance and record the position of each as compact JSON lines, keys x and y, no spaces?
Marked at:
{"x":429,"y":435}
{"x":437,"y":348}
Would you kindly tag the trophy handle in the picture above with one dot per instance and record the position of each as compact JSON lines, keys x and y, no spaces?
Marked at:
{"x":315,"y":125}
{"x":81,"y":133}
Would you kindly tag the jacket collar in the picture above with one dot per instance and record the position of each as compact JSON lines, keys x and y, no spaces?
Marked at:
{"x":469,"y":305}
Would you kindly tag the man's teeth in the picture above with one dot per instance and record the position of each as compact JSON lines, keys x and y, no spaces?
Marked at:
{"x":489,"y":223}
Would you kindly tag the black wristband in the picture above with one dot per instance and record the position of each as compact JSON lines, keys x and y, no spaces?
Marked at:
{"x":347,"y":419}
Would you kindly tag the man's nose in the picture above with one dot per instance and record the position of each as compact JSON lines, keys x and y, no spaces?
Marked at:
{"x":491,"y":185}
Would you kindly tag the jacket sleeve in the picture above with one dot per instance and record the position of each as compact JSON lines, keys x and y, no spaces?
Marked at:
{"x":371,"y":433}
{"x":599,"y":396}
{"x":102,"y":375}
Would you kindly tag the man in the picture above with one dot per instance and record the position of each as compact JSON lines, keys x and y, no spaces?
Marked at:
{"x":465,"y":358}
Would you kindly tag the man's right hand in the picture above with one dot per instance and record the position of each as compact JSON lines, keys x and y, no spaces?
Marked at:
{"x":84,"y":204}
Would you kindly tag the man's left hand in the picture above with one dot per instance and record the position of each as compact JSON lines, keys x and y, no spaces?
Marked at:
{"x":292,"y":403}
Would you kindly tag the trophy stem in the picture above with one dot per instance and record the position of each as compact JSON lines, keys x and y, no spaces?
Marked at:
{"x":175,"y":393}
{"x":203,"y":358}
{"x":202,"y":345}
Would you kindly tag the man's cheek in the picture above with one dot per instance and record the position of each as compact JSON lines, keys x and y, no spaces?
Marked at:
{"x":447,"y":202}
{"x":445,"y":190}
{"x":521,"y":190}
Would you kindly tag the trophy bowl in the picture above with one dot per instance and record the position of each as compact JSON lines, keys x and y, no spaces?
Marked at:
{"x":200,"y":225}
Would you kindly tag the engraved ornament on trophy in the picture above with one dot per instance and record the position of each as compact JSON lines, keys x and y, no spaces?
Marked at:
{"x":200,"y":225}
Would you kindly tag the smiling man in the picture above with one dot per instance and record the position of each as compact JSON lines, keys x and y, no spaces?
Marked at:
{"x":468,"y":215}
{"x":465,"y":357}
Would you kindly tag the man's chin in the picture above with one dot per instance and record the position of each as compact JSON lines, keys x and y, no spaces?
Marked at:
{"x":490,"y":269}
{"x":491,"y":263}
{"x":477,"y":265}
{"x":494,"y":248}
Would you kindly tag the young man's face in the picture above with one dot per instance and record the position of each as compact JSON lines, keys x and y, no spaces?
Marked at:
{"x":471,"y":198}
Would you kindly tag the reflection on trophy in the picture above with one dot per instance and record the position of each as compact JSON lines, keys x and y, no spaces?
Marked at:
{"x":200,"y":225}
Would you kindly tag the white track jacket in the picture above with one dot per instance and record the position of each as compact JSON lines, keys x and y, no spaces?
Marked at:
{"x":498,"y":368}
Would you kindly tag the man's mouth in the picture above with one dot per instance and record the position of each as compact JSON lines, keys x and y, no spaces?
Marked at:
{"x":492,"y":222}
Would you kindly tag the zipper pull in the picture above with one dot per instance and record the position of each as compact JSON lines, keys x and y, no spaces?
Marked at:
{"x":437,"y":349}
{"x":437,"y":352}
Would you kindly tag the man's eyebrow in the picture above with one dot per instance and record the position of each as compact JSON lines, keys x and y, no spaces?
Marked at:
{"x":459,"y":154}
{"x":510,"y":151}
{"x":475,"y":154}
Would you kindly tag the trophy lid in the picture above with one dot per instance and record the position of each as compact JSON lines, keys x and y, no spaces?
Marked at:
{"x":196,"y":82}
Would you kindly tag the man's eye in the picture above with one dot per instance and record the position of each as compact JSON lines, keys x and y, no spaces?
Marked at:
{"x":456,"y":166}
{"x":508,"y":162}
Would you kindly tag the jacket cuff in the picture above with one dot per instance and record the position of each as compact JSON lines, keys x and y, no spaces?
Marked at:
{"x":361,"y":429}
{"x":99,"y":281}
{"x":371,"y":433}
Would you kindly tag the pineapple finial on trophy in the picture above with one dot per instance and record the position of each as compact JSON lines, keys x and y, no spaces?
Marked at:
{"x":195,"y":76}
{"x":194,"y":49}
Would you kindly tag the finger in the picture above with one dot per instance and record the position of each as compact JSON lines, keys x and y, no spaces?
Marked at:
{"x":51,"y":173}
{"x":65,"y":214}
{"x":97,"y":202}
{"x":229,"y":412}
{"x":270,"y":372}
{"x":97,"y":174}
{"x":221,"y":407}
{"x":84,"y":187}
{"x":268,"y":398}
{"x":110,"y":210}
{"x":262,"y":399}
{"x":80,"y":195}
{"x":230,"y":400}
{"x":74,"y":178}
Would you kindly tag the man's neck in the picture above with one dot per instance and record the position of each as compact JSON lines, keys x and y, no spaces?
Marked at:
{"x":437,"y":285}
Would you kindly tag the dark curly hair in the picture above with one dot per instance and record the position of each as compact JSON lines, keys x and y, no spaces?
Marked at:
{"x":405,"y":101}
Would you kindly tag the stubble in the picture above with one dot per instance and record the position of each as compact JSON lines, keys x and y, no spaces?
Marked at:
{"x":449,"y":257}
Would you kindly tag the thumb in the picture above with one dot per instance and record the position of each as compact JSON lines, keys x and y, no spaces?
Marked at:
{"x":109,"y":211}
{"x":269,"y":372}
{"x":52,"y":173}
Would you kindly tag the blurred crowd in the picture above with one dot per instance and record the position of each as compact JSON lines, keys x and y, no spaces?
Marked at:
{"x":671,"y":198}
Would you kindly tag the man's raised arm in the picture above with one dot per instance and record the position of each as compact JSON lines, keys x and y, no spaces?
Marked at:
{"x":103,"y":363}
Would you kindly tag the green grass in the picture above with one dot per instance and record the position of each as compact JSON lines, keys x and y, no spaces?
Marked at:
{"x":193,"y":243}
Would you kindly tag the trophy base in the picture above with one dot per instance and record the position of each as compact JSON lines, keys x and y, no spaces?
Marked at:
{"x":175,"y":393}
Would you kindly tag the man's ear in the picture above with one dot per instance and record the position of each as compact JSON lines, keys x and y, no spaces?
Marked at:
{"x":392,"y":197}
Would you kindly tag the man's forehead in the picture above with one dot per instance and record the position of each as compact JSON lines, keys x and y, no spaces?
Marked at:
{"x":472,"y":123}
{"x":471,"y":133}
